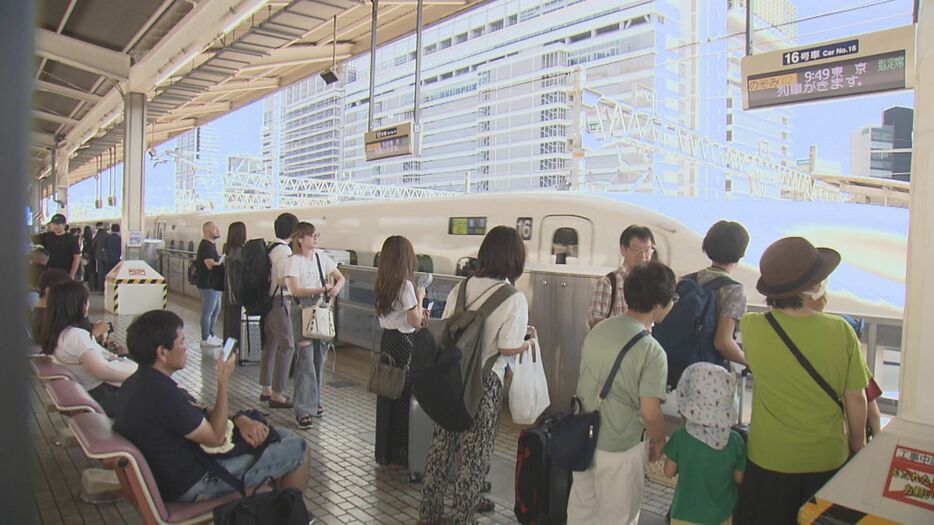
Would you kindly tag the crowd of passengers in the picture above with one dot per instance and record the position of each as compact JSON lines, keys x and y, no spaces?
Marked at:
{"x":797,"y":438}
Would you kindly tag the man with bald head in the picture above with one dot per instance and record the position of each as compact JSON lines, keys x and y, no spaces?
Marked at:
{"x":210,"y":280}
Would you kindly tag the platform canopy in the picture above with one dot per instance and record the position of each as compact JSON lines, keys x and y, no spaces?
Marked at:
{"x":194,"y":59}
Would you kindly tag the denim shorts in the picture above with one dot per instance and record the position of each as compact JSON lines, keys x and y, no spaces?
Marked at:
{"x":276,"y":461}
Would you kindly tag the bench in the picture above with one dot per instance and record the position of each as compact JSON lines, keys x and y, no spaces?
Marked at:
{"x":47,"y":370}
{"x":70,"y":398}
{"x":98,"y":440}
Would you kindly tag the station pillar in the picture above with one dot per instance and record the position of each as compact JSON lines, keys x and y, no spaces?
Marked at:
{"x":889,"y":480}
{"x":134,"y":150}
{"x":916,"y":402}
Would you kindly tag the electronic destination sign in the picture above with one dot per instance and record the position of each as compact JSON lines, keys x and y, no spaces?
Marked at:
{"x":855,"y":76}
{"x":867,"y":63}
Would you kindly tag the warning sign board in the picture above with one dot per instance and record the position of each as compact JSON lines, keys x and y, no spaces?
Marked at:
{"x":911,"y":477}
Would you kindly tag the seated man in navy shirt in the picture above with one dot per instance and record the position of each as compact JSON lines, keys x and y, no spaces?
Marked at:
{"x":168,"y":425}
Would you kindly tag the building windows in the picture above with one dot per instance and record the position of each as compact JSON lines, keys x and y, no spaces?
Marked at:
{"x":553,"y":130}
{"x":729,"y":135}
{"x":550,"y":148}
{"x":553,"y":114}
{"x":496,"y":26}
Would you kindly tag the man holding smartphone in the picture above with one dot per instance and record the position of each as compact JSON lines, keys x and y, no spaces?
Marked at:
{"x":162,"y":420}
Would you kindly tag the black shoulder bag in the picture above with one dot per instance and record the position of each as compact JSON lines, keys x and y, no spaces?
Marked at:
{"x":280,"y":506}
{"x":574,"y":434}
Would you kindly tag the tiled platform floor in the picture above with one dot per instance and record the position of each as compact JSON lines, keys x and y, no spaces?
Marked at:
{"x":346,"y":485}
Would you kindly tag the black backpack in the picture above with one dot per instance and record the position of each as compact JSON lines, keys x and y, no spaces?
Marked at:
{"x":447,"y":368}
{"x":192,"y":272}
{"x":687,"y":331}
{"x":255,"y":277}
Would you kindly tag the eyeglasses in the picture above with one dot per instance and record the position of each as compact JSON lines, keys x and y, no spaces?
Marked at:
{"x":645,"y":251}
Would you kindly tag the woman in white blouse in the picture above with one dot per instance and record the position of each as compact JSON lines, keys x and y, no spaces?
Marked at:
{"x":70,"y":338}
{"x":307,"y":272}
{"x":398,"y":305}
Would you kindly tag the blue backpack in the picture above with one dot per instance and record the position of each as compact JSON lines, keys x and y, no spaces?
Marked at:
{"x":688,"y":330}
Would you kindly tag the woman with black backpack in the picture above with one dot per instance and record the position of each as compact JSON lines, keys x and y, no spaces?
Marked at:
{"x":505,"y":334}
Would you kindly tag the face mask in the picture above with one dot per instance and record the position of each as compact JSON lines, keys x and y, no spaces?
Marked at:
{"x":818,"y":291}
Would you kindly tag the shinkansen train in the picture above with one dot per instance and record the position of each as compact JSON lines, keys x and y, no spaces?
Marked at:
{"x":579,"y":233}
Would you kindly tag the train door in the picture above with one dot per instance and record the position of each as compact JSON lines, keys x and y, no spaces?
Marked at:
{"x":565,"y":239}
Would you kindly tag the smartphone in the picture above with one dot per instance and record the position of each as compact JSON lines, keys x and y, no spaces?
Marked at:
{"x":229,"y":346}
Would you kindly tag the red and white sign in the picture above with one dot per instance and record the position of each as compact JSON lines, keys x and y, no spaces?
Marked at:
{"x":911,"y":477}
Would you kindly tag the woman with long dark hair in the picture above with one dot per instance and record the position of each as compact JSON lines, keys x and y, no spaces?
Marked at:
{"x":87,"y":255}
{"x":501,"y":262}
{"x":308,"y":275}
{"x":69,"y":337}
{"x":398,"y":306}
{"x":236,"y":238}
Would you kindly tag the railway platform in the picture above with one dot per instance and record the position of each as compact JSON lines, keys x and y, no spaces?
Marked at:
{"x":346,"y":484}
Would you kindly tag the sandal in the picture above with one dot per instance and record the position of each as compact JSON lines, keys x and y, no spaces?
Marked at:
{"x":485,"y":505}
{"x":304,"y":422}
{"x":281,"y":404}
{"x":320,"y":412}
{"x":264,"y":397}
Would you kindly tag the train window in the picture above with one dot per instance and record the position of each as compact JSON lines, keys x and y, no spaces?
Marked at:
{"x":424,"y":263}
{"x":466,"y":266}
{"x":172,"y":244}
{"x":564,"y":245}
{"x":191,"y":246}
{"x":376,"y":259}
{"x":353,"y":257}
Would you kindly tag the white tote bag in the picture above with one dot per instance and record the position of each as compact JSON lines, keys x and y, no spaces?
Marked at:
{"x":528,"y":395}
{"x":318,"y":321}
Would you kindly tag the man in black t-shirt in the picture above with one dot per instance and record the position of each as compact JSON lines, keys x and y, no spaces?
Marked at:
{"x":64,"y":252}
{"x":167,"y":424}
{"x":207,"y":265}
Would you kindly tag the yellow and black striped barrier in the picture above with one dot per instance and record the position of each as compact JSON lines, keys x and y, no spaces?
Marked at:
{"x":822,"y":512}
{"x":159,"y":280}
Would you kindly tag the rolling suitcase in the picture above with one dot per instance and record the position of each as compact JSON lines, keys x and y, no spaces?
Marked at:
{"x":251,"y":344}
{"x":740,"y":427}
{"x":421,"y":429}
{"x":542,"y":487}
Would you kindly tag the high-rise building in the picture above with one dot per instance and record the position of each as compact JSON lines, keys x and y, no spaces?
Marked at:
{"x":901,"y":120}
{"x":198,"y":184}
{"x":871,"y":152}
{"x":498,"y":109}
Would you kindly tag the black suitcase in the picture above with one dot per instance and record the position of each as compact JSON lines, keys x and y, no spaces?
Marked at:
{"x":542,"y":487}
{"x":251,"y":340}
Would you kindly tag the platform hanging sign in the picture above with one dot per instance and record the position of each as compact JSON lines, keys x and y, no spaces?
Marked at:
{"x":391,"y":141}
{"x":911,"y":477}
{"x":869,"y":63}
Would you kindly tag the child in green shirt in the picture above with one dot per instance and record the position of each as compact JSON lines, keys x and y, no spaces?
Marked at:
{"x":706,"y":454}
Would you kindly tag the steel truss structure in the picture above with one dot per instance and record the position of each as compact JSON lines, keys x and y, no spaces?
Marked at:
{"x":613,"y":123}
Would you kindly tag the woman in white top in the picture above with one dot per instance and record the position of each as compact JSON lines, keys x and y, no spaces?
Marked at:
{"x":501,"y":262}
{"x":398,"y":305}
{"x":307,"y":272}
{"x":69,"y":337}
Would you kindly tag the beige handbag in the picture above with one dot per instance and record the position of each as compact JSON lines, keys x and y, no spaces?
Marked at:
{"x":318,"y":321}
{"x":386,"y":379}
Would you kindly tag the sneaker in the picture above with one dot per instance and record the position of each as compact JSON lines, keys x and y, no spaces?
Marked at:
{"x":213,"y":341}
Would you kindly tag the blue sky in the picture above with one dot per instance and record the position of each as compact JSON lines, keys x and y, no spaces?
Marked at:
{"x":827,"y":124}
